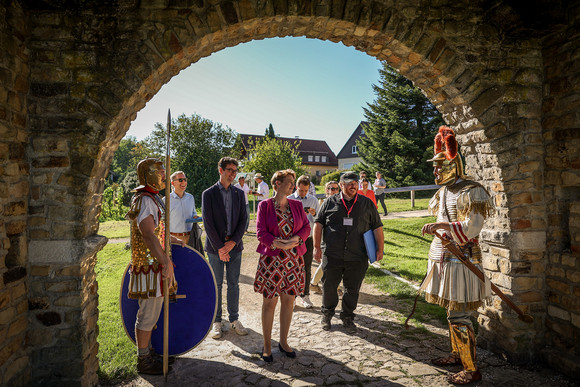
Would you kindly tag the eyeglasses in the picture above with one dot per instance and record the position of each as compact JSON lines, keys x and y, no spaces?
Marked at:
{"x":181,"y":180}
{"x":333,"y":189}
{"x":231,"y":170}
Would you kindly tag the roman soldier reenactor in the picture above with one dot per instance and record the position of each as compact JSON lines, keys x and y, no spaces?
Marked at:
{"x":461,"y":206}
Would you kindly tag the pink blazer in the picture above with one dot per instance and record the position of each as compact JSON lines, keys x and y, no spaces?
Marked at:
{"x":267,"y":226}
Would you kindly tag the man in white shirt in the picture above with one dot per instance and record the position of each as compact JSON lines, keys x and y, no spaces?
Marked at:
{"x":310,"y":205}
{"x":244,"y":187}
{"x":263,"y":191}
{"x":182,"y":208}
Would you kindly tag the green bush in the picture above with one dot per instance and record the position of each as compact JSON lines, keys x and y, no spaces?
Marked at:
{"x":331,"y":176}
{"x":112,"y":207}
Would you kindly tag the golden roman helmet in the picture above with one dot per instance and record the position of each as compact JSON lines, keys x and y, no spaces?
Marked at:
{"x":447,"y":156}
{"x":149,"y":173}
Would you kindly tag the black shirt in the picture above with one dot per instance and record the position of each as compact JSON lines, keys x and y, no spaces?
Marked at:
{"x":346,"y":243}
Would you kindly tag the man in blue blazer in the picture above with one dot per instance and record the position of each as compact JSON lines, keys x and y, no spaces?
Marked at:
{"x":223,"y":208}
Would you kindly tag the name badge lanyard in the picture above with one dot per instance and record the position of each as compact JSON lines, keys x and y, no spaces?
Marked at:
{"x":348,"y":221}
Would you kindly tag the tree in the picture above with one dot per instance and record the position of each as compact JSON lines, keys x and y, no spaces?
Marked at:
{"x":125,"y":160}
{"x":401,"y":125}
{"x":270,"y":132}
{"x":272,"y":154}
{"x":197,"y":144}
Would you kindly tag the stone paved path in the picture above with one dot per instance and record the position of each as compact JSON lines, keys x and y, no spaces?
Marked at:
{"x":382,"y":353}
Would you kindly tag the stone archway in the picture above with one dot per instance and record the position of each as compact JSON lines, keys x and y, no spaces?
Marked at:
{"x":89,"y":68}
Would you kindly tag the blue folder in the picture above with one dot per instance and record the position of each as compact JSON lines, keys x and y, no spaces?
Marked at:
{"x":371,"y":245}
{"x":193,"y":220}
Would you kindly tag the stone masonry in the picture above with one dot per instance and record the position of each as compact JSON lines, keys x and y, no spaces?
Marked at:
{"x":74,"y":74}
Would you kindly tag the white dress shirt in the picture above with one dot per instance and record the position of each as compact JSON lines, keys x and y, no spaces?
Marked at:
{"x":181,"y":209}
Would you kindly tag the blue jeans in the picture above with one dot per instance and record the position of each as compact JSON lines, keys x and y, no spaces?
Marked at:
{"x":232,"y":269}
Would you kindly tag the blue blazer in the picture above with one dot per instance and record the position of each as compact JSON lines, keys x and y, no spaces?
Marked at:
{"x":215,"y":222}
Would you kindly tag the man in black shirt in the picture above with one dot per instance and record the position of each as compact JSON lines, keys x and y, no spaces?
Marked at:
{"x":342,"y":220}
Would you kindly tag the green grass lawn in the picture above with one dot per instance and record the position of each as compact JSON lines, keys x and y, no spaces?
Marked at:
{"x":406,"y":255}
{"x":117,"y":354}
{"x":115,"y":229}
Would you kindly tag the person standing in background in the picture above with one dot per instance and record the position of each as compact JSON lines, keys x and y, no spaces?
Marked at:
{"x":379,"y":186}
{"x":241,"y":184}
{"x":310,"y":205}
{"x":182,"y":208}
{"x":263,"y":191}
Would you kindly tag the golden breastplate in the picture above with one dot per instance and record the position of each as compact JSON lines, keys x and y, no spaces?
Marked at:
{"x":140,"y":255}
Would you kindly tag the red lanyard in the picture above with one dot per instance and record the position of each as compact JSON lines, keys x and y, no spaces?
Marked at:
{"x":351,"y":207}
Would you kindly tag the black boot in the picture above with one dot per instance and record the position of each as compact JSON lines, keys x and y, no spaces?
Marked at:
{"x":326,"y":322}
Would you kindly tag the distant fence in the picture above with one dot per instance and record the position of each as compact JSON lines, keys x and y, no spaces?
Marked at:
{"x":412,"y":188}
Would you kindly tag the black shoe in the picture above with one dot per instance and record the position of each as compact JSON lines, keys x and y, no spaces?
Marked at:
{"x":170,"y":360}
{"x":149,"y":365}
{"x":326,"y":322}
{"x":291,"y":354}
{"x":348,"y":325}
{"x":267,"y":359}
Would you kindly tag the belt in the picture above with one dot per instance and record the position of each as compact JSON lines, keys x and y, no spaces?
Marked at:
{"x":180,"y":233}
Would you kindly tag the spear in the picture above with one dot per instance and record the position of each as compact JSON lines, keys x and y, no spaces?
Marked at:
{"x":457,"y":252}
{"x":167,"y":252}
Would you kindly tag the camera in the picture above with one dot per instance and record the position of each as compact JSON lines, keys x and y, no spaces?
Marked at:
{"x":306,"y":209}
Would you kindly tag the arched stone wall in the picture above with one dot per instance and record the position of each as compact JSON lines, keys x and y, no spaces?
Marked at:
{"x":92,"y":67}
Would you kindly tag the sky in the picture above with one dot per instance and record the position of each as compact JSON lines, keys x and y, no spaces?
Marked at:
{"x":304,"y":87}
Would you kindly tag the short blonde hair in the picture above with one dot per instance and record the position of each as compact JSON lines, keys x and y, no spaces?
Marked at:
{"x":281,"y":175}
{"x":172,"y":177}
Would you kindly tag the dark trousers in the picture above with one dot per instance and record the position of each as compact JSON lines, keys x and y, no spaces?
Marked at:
{"x":352,"y":274}
{"x":381,"y":198}
{"x":308,"y":264}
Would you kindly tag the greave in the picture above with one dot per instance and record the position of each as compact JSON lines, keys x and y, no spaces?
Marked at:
{"x":464,"y":338}
{"x":454,"y":347}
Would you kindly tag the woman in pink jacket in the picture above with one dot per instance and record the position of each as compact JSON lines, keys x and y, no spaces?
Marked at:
{"x":282,"y":228}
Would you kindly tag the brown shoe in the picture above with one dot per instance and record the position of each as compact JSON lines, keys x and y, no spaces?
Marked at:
{"x":464,"y":377}
{"x":450,"y":360}
{"x":326,"y":322}
{"x":149,"y":365}
{"x":158,"y":357}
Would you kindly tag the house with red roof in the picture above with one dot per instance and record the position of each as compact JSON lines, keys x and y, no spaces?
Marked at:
{"x":316,"y":155}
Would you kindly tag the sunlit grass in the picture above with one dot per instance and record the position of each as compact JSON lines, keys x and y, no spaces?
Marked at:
{"x":406,"y":254}
{"x":117,"y":354}
{"x":115,"y":229}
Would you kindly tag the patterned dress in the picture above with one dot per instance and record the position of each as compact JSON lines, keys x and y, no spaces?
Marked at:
{"x":283,"y":274}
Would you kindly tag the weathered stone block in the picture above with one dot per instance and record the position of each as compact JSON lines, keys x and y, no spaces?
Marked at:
{"x":70,"y":301}
{"x":558,"y":285}
{"x":63,"y":286}
{"x":6,"y":316}
{"x":573,"y":275}
{"x":18,"y":326}
{"x":570,"y":178}
{"x":557,"y":312}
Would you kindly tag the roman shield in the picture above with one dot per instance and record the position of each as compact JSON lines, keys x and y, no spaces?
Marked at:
{"x":191,"y":313}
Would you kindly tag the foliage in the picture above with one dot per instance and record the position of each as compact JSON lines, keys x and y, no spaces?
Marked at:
{"x":129,"y":183}
{"x":129,"y":153}
{"x":269,"y":155}
{"x":335,"y":175}
{"x":112,"y":207}
{"x":401,"y":125}
{"x":270,"y":132}
{"x":197,"y":144}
